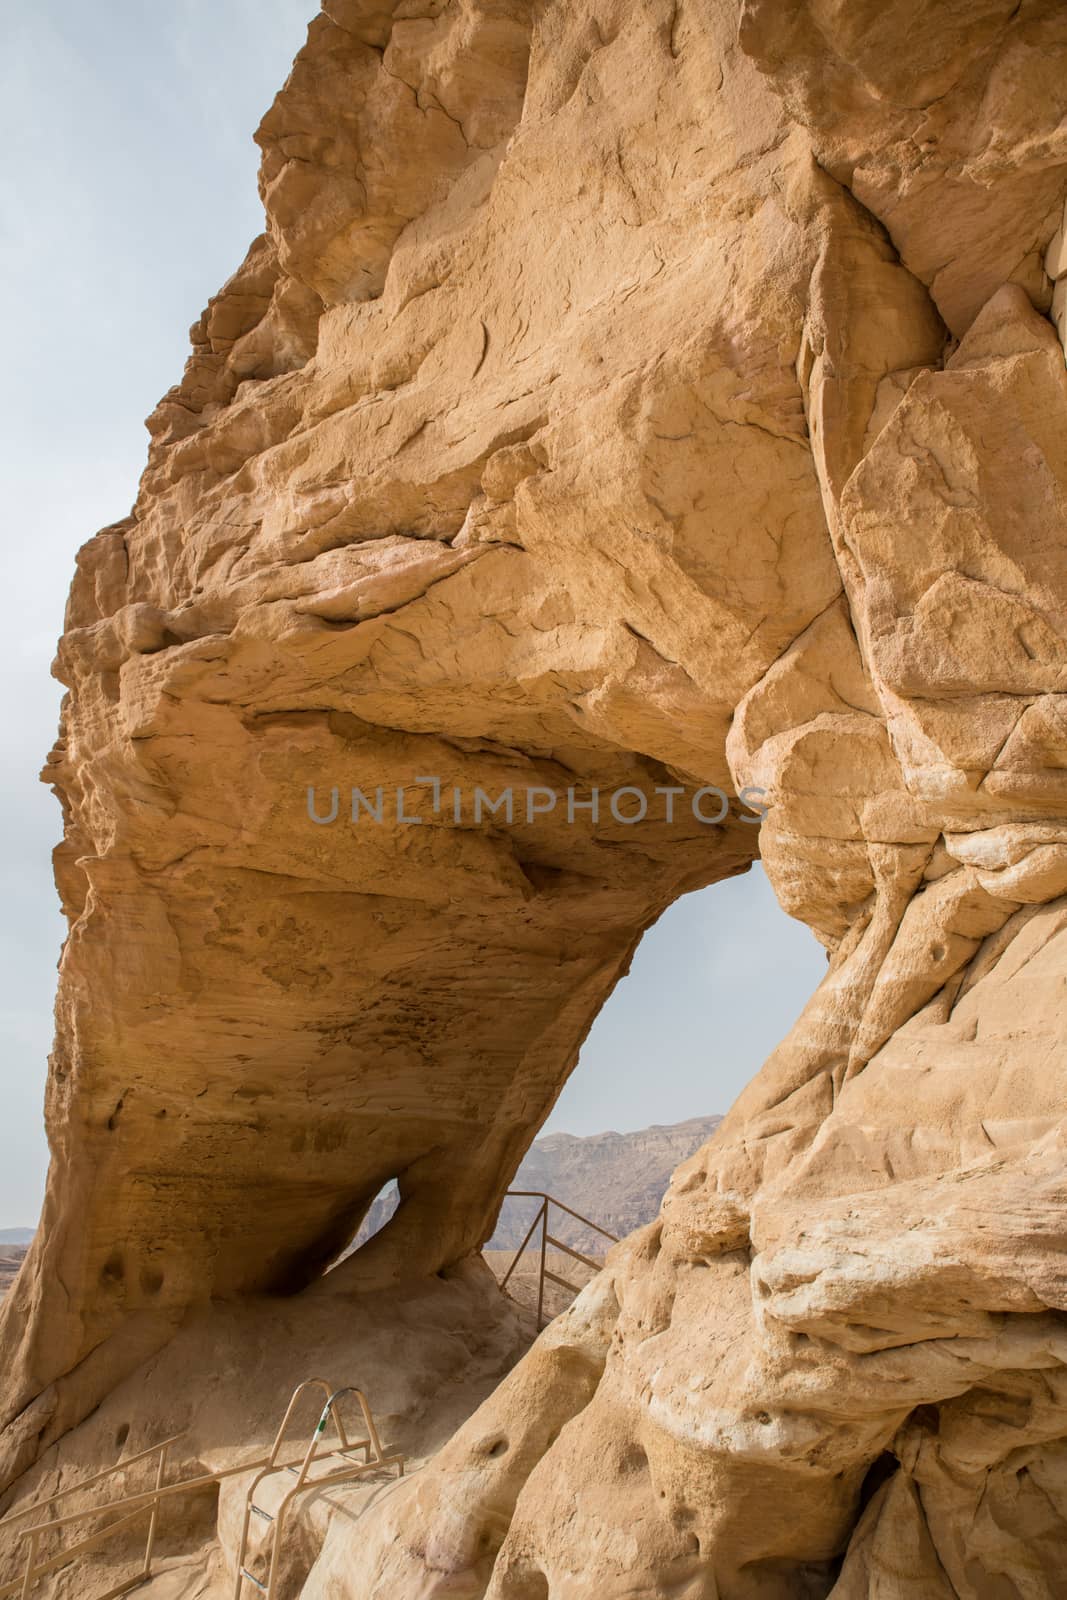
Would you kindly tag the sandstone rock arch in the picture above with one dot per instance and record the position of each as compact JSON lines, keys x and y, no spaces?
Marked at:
{"x":651,"y":395}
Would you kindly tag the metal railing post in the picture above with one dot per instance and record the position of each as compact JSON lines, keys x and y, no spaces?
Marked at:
{"x":541,"y":1273}
{"x":31,"y":1561}
{"x":541,"y":1218}
{"x":521,"y":1251}
{"x":153,"y":1519}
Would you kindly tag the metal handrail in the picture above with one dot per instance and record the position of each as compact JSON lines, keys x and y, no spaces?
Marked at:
{"x":87,"y":1483}
{"x":148,"y":1496}
{"x":147,"y":1501}
{"x":373,"y":1457}
{"x":541,"y":1220}
{"x":561,"y":1205}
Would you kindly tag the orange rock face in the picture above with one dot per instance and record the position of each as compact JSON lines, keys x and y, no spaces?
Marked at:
{"x":652,"y":397}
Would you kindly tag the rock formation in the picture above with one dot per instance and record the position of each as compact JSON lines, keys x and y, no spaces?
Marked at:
{"x":644,"y":394}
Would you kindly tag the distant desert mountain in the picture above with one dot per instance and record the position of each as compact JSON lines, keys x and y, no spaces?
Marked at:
{"x":615,"y":1179}
{"x":15,"y":1235}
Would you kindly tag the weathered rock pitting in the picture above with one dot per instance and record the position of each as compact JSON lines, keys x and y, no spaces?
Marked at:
{"x":637,"y":395}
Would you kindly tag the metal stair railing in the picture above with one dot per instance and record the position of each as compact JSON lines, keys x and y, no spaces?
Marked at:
{"x":541,"y":1221}
{"x":147,"y":1502}
{"x":373,"y":1456}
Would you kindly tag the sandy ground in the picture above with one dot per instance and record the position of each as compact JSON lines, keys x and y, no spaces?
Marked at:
{"x":253,"y":1366}
{"x":522,"y":1285}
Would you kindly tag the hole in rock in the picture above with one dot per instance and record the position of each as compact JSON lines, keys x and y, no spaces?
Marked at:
{"x":356,"y":1221}
{"x":374,"y":1218}
{"x":151,"y":1280}
{"x":121,"y":1435}
{"x":879,"y":1472}
{"x":114,"y":1270}
{"x":714,"y":985}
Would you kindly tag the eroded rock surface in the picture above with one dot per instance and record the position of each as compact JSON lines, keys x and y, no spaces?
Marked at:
{"x":650,"y":395}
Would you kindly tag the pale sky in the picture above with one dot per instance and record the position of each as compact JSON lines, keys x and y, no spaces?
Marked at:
{"x":127,"y":197}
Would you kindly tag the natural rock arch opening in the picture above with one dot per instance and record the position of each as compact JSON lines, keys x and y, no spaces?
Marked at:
{"x":713,"y":985}
{"x":567,"y":938}
{"x":333,"y":579}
